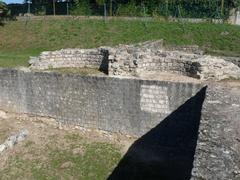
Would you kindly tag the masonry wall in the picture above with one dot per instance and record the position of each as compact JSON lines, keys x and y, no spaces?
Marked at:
{"x":92,"y":58}
{"x":128,"y":106}
{"x":218,"y":148}
{"x":172,"y":65}
{"x":166,"y":113}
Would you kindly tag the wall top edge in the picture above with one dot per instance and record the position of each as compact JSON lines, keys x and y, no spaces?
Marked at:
{"x":144,"y":81}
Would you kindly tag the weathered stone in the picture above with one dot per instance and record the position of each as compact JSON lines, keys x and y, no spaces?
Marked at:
{"x":13,"y":140}
{"x":2,"y":147}
{"x":67,"y":164}
{"x":3,"y":114}
{"x":134,"y":60}
{"x":78,"y":151}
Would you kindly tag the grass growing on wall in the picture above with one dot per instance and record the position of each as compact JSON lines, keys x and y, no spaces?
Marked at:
{"x":19,"y":40}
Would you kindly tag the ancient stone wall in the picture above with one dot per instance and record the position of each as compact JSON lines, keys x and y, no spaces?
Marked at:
{"x":218,"y":148}
{"x":168,"y":113}
{"x":234,"y":60}
{"x":92,"y":58}
{"x":135,"y":60}
{"x":128,"y":106}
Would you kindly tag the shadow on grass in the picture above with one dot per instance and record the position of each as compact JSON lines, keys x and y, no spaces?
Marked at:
{"x":167,"y":151}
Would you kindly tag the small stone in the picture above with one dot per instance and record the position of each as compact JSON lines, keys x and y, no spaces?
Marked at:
{"x":2,"y":147}
{"x":3,"y":115}
{"x":22,"y":135}
{"x":67,"y":164}
{"x":60,"y":126}
{"x":78,"y":151}
{"x":11,"y":141}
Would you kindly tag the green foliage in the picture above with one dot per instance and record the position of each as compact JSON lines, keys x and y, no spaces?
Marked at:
{"x":81,"y":7}
{"x":174,"y":8}
{"x":3,"y":11}
{"x":100,"y":2}
{"x":130,"y":9}
{"x":181,"y":8}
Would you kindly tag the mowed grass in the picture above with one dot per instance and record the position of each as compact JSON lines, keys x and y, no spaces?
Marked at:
{"x":19,"y":40}
{"x":70,"y":157}
{"x":53,"y":161}
{"x":50,"y":153}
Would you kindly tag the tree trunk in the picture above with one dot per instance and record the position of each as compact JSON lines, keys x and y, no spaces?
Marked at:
{"x":54,"y":10}
{"x":110,"y":9}
{"x":222,"y":8}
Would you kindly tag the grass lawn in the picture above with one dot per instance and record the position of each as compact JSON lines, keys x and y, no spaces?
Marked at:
{"x":19,"y":40}
{"x":50,"y":153}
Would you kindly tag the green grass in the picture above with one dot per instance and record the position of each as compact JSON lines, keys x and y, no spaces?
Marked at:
{"x":19,"y":40}
{"x":96,"y":161}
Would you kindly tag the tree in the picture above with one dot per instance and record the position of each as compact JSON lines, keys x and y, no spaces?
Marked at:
{"x":81,"y":7}
{"x":103,"y":2}
{"x":3,"y":11}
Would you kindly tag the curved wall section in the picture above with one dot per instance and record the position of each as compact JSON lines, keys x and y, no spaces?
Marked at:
{"x":172,"y":65}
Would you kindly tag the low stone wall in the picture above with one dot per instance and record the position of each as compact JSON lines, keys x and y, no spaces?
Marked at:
{"x":130,"y":60}
{"x":167,"y":114}
{"x":128,"y":106}
{"x":164,"y":62}
{"x":92,"y":58}
{"x":134,"y":60}
{"x":234,"y":60}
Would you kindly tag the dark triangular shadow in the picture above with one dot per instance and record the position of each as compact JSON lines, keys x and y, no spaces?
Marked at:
{"x":167,"y":151}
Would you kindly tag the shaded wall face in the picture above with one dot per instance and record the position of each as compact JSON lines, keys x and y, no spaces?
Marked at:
{"x":199,"y":140}
{"x":119,"y":105}
{"x":167,"y":151}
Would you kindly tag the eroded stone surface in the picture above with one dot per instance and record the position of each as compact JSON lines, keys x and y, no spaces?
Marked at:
{"x":13,"y":140}
{"x":218,"y":149}
{"x":71,"y":58}
{"x":134,"y":60}
{"x":154,"y":99}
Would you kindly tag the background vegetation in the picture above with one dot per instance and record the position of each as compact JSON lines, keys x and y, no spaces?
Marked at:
{"x":19,"y":40}
{"x":166,"y":8}
{"x":3,"y":11}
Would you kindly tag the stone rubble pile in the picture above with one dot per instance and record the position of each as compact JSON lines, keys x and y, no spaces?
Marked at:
{"x":13,"y":140}
{"x":132,"y":60}
{"x":137,"y":59}
{"x":216,"y":68}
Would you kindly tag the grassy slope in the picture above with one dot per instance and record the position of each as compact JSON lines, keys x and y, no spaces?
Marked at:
{"x":18,"y":41}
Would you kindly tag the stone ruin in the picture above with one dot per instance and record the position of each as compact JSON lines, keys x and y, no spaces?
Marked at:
{"x":186,"y":130}
{"x":134,"y":60}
